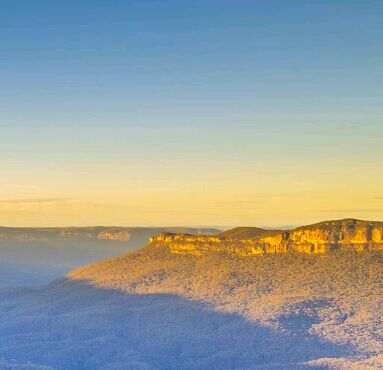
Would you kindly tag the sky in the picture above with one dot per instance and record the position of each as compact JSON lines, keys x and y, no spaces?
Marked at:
{"x":138,"y":113}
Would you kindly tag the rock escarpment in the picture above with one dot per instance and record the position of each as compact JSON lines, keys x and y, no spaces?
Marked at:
{"x":321,"y":238}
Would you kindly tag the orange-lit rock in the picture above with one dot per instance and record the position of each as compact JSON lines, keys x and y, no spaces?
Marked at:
{"x":348,"y":234}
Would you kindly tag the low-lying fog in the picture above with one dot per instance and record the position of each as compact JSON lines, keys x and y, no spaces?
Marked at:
{"x":29,"y":263}
{"x":38,"y":256}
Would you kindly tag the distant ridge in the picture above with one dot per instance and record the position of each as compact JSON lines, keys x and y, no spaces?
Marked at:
{"x":114,"y":233}
{"x":243,"y":233}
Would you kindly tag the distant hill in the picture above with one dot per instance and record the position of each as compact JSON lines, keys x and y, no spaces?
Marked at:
{"x":243,"y":233}
{"x":163,"y":308}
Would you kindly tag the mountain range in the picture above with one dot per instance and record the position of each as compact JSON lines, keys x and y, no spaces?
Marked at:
{"x":249,"y":298}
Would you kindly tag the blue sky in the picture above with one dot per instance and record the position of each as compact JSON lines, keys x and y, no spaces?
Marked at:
{"x":229,"y":101}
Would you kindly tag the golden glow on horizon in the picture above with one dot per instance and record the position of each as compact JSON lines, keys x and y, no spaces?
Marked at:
{"x":200,"y":197}
{"x":234,"y":174}
{"x":256,"y":114}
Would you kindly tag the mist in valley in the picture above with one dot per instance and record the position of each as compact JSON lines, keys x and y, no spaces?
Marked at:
{"x":34,"y":256}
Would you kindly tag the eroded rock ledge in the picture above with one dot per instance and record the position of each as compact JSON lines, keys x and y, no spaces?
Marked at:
{"x":321,"y":238}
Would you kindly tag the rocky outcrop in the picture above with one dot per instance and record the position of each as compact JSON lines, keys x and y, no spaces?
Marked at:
{"x":348,"y":234}
{"x":122,"y":235}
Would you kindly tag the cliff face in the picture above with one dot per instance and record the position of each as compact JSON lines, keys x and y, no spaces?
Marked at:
{"x":348,"y":234}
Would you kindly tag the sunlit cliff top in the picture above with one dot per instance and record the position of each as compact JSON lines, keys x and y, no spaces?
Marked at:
{"x":317,"y":238}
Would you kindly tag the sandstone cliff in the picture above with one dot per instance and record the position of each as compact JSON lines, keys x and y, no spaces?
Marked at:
{"x":347,"y":234}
